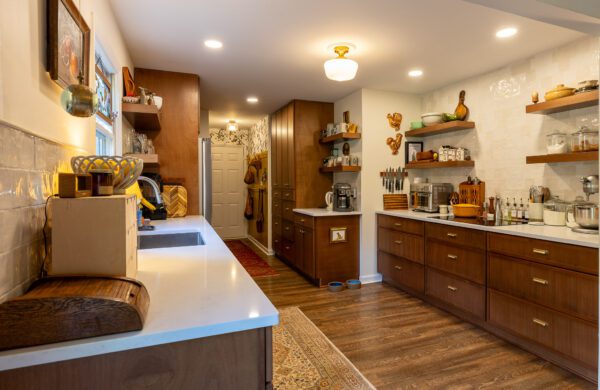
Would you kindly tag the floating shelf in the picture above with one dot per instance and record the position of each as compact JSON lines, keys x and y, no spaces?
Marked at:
{"x":441,"y":128}
{"x":563,"y":157}
{"x":438,"y":164}
{"x":340,"y":168}
{"x":339,"y":137}
{"x":142,"y":117}
{"x":148,"y":159}
{"x":580,"y":100}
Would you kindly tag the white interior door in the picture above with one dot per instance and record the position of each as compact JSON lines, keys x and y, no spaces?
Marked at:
{"x":228,"y":191}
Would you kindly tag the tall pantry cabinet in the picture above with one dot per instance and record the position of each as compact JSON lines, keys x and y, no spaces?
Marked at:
{"x":296,"y":157}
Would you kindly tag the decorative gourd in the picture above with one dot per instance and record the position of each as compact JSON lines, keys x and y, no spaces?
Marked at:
{"x":461,"y":111}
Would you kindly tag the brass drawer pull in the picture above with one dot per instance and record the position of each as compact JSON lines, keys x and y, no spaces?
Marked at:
{"x":398,"y":267}
{"x":397,"y":224}
{"x":287,"y":248}
{"x":541,"y":323}
{"x":287,"y":209}
{"x":276,"y":223}
{"x":540,"y":251}
{"x":398,"y":242}
{"x":287,"y":228}
{"x":453,"y":257}
{"x":452,"y":235}
{"x":539,"y":281}
{"x":452,"y":288}
{"x":302,"y":220}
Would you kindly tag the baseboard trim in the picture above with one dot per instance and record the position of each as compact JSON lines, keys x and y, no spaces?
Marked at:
{"x":259,"y":245}
{"x":374,"y":278}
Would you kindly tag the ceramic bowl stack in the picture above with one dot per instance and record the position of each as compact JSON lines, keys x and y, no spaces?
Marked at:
{"x":126,"y":170}
{"x":432,"y":118}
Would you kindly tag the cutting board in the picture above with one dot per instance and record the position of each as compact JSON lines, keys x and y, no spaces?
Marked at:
{"x":61,"y":308}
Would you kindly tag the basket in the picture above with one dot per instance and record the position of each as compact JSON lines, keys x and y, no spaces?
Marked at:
{"x":463,"y":210}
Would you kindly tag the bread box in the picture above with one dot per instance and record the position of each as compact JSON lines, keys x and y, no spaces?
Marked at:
{"x":73,"y":307}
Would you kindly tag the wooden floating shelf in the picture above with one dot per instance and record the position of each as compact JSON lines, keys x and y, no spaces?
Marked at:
{"x":339,"y":137}
{"x":340,"y":168}
{"x":143,"y":117}
{"x":441,"y":128}
{"x":438,"y":164}
{"x":148,"y":159}
{"x":580,"y":100}
{"x":563,"y":157}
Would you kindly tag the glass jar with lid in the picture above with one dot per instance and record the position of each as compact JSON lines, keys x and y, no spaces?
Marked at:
{"x":584,"y":140}
{"x":555,"y":211}
{"x":556,"y":143}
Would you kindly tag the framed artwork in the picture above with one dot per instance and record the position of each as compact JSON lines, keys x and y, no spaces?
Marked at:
{"x":68,"y":43}
{"x":412,"y":148}
{"x":337,"y":234}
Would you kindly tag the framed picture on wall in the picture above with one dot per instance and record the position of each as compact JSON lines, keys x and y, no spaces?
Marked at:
{"x":412,"y":148}
{"x":337,"y":234}
{"x":68,"y":50}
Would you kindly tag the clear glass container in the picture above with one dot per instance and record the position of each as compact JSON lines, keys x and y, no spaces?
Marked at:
{"x":584,"y":140}
{"x":555,"y":212}
{"x":556,"y":143}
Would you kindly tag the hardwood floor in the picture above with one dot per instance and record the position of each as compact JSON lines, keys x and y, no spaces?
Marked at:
{"x":400,"y":342}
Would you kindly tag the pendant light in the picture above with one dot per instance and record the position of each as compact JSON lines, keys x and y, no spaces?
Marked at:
{"x":232,"y":125}
{"x":341,"y":68}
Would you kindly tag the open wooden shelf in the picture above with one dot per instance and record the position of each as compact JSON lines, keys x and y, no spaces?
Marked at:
{"x":341,"y":168}
{"x":438,"y":164}
{"x":339,"y":137}
{"x":562,"y":157}
{"x":579,"y":100}
{"x":148,"y":159}
{"x":441,"y":128}
{"x":143,"y":117}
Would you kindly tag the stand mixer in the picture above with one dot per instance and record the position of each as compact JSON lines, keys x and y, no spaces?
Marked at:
{"x":586,"y":214}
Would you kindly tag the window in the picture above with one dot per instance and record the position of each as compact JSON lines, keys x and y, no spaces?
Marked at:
{"x":104,"y":117}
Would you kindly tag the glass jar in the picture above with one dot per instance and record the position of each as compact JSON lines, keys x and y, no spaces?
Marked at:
{"x":584,"y":140}
{"x":555,"y":212}
{"x":556,"y":143}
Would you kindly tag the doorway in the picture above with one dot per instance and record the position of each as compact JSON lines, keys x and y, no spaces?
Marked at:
{"x":228,"y":190}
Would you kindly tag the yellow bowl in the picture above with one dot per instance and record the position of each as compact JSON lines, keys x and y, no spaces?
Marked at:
{"x":465,"y":210}
{"x":126,"y":170}
{"x":559,"y":92}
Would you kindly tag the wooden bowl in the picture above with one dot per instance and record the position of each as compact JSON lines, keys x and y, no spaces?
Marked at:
{"x":465,"y":210}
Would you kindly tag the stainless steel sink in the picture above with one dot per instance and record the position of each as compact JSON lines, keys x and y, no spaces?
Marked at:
{"x":170,"y":240}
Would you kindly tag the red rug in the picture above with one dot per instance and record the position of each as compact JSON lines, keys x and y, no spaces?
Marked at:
{"x":256,"y":267}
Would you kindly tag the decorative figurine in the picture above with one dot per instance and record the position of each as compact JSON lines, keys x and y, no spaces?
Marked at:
{"x":395,"y":120}
{"x":394,"y":144}
{"x":461,"y":111}
{"x":535,"y":97}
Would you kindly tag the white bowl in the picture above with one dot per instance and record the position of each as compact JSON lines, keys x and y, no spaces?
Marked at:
{"x":158,"y":102}
{"x":432,"y":118}
{"x":126,"y":170}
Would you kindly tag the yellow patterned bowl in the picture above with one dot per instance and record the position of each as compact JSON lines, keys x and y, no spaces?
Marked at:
{"x":559,"y":92}
{"x":126,"y":170}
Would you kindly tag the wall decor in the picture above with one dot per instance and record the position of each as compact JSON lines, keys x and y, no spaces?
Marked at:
{"x":346,"y":116}
{"x":412,"y":148}
{"x":128,"y":84}
{"x":394,"y":143}
{"x":337,"y":234}
{"x":68,"y":50}
{"x":395,"y":120}
{"x":461,"y":111}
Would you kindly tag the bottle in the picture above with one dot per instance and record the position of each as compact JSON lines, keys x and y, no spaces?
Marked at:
{"x":520,"y":211}
{"x":526,"y":213}
{"x":513,"y":210}
{"x":499,"y":211}
{"x":506,"y":211}
{"x":491,"y":211}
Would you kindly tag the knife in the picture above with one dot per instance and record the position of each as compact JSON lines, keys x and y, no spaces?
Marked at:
{"x":402,"y":179}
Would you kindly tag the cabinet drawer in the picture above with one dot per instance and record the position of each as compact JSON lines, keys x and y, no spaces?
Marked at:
{"x":276,"y":193}
{"x":400,"y":244}
{"x":458,"y":292}
{"x":577,"y":258}
{"x":288,"y":194}
{"x":459,"y":261}
{"x":571,"y":292}
{"x":568,"y":335}
{"x":277,"y":243}
{"x":304,"y":220}
{"x":277,"y":207}
{"x":401,"y":224}
{"x":400,"y":271}
{"x":288,"y":250}
{"x":460,"y":236}
{"x":288,"y":209}
{"x":287,"y":230}
{"x":277,"y":226}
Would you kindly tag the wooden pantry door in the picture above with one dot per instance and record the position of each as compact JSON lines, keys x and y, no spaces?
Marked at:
{"x":228,"y":191}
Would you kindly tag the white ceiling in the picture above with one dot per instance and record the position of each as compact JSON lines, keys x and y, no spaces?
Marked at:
{"x":275,"y":49}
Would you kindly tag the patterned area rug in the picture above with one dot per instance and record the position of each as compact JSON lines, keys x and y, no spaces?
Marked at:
{"x":304,"y":358}
{"x":255,"y":266}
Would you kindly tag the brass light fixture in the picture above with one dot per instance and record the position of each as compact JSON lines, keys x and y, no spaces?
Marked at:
{"x":341,"y":68}
{"x":79,"y":100}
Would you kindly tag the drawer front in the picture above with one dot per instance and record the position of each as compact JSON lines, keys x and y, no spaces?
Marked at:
{"x":288,"y":250}
{"x":568,"y":335}
{"x":460,"y":236}
{"x":571,"y":292}
{"x":277,"y":207}
{"x":401,"y":244}
{"x":287,"y":230}
{"x":276,"y":193}
{"x":304,"y":220}
{"x":403,"y":272}
{"x":577,"y":258}
{"x":457,"y":292}
{"x":456,"y":260}
{"x":288,"y":209}
{"x":277,"y":226}
{"x":288,"y":195}
{"x":277,"y":243}
{"x":401,"y":224}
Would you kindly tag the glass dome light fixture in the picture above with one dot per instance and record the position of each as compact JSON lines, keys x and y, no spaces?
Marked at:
{"x":79,"y":100}
{"x":232,"y":125}
{"x":341,"y":68}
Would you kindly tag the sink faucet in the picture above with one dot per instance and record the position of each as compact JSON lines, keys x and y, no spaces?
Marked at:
{"x":154,"y":186}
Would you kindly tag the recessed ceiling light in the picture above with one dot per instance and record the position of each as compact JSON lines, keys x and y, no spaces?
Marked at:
{"x":506,"y":32}
{"x":252,"y":99}
{"x":415,"y":73}
{"x":213,"y":44}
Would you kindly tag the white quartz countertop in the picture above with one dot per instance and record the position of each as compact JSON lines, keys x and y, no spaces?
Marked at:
{"x":195,"y":292}
{"x":551,"y":233}
{"x":318,"y":212}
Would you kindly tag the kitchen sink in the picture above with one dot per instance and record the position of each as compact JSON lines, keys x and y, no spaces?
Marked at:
{"x":170,"y":240}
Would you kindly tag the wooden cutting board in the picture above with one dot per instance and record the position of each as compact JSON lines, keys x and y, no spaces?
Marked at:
{"x":61,"y":308}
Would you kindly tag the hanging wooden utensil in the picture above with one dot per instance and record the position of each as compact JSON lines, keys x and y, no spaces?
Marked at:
{"x":249,"y":210}
{"x":260,"y":218}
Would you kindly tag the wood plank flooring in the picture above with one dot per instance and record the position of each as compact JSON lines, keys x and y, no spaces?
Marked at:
{"x":400,"y":342}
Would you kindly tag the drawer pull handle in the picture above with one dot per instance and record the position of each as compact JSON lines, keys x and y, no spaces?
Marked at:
{"x":398,"y":242}
{"x":453,"y":257}
{"x":398,"y":267}
{"x":287,"y":248}
{"x":452,"y":288}
{"x":302,"y":220}
{"x":541,"y":323}
{"x":287,"y":228}
{"x":397,"y":224}
{"x":540,"y":251}
{"x":452,"y":235}
{"x":287,"y":209}
{"x":539,"y":281}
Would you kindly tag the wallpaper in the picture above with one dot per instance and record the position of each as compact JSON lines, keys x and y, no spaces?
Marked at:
{"x":226,"y":137}
{"x":254,"y":140}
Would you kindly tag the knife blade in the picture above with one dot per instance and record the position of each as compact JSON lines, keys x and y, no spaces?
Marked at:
{"x":402,"y":170}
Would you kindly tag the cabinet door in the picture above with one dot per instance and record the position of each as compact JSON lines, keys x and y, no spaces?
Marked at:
{"x":280,"y":151}
{"x":274,"y":151}
{"x":290,"y":146}
{"x":308,"y":253}
{"x":299,"y":241}
{"x":284,"y":148}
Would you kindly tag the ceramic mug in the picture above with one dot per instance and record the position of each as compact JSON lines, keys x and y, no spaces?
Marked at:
{"x":443,"y":209}
{"x":342,"y":127}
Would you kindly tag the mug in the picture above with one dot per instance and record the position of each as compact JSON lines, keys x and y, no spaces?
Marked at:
{"x":342,"y":127}
{"x":329,"y":128}
{"x":443,"y":209}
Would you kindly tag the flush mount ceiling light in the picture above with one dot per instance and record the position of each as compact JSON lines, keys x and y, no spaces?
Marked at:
{"x":415,"y":73}
{"x":252,"y":99}
{"x":341,"y":68}
{"x":213,"y":44}
{"x":506,"y":32}
{"x":232,"y":125}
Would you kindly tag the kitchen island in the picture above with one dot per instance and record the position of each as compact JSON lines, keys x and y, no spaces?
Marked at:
{"x":201,"y":300}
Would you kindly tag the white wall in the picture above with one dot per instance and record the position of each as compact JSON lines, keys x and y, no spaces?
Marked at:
{"x":352,"y":103}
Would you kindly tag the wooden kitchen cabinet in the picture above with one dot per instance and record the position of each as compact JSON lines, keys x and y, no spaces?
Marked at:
{"x":305,"y":252}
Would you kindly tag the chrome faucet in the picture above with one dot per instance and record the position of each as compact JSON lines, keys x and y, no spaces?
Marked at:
{"x":154,"y":186}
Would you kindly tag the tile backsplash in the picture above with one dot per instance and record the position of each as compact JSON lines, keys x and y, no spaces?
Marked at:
{"x":28,"y":175}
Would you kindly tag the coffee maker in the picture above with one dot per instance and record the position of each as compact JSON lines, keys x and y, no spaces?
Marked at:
{"x":342,"y":197}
